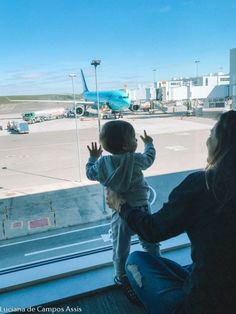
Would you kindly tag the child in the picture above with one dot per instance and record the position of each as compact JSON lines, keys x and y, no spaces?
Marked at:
{"x":121,"y":173}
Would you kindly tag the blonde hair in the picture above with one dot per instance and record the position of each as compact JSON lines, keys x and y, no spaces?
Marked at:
{"x":221,"y":169}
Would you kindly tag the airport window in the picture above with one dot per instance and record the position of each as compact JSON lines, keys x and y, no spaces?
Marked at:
{"x":224,"y":79}
{"x":49,"y":209}
{"x":216,"y":105}
{"x":175,"y":83}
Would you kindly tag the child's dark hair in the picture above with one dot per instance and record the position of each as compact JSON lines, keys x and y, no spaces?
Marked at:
{"x":114,"y":135}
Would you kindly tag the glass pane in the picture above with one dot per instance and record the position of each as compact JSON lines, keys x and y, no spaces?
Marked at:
{"x":46,"y":212}
{"x":155,"y":77}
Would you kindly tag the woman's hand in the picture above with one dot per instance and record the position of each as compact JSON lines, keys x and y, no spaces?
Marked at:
{"x":95,"y":151}
{"x":114,"y":200}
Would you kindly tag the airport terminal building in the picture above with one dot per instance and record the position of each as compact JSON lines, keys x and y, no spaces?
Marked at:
{"x":214,"y":90}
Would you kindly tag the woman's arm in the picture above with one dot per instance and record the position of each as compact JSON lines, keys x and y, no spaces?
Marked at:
{"x":172,"y":219}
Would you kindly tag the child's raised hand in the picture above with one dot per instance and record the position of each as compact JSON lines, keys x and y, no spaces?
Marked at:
{"x":146,"y":138}
{"x":95,"y":151}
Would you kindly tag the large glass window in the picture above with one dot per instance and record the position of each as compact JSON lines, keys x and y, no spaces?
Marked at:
{"x":48,"y":208}
{"x":47,"y":212}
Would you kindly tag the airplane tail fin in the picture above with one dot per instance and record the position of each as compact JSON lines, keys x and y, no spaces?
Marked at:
{"x":85,"y":87}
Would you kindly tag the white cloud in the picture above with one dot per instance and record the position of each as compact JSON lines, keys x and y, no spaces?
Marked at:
{"x":164,"y":9}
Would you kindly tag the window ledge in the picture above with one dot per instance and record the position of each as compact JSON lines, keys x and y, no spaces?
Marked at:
{"x":65,"y":266}
{"x":68,"y":278}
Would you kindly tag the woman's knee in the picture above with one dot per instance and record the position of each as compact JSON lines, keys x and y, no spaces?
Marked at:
{"x":141,"y":257}
{"x":136,"y":257}
{"x":133,"y":266}
{"x":138,"y":264}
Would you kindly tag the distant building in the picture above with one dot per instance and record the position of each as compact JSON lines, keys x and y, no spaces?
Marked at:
{"x":233,"y":76}
{"x":207,"y":89}
{"x":212,"y":90}
{"x":142,"y":92}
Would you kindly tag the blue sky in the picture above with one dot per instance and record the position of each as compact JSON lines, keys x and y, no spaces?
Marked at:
{"x":42,"y":41}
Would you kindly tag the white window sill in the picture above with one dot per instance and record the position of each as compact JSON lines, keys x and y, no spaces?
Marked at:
{"x":56,"y":281}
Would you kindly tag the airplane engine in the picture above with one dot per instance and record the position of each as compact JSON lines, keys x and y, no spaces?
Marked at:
{"x":134,"y":107}
{"x":80,"y":110}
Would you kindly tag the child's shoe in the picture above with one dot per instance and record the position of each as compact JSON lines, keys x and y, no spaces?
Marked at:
{"x":127,"y":289}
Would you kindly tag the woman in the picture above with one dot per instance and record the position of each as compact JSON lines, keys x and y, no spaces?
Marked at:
{"x":203,"y":206}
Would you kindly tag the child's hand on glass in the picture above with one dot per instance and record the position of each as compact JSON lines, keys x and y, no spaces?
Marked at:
{"x":146,"y":138}
{"x":94,"y":150}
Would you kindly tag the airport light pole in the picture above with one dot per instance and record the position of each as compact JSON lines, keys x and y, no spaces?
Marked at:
{"x":72,"y":76}
{"x":154,"y":77}
{"x":196,"y":62}
{"x":154,"y":85}
{"x":95,"y":63}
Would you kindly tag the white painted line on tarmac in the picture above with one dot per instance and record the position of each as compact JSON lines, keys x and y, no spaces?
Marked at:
{"x":54,"y":235}
{"x":62,"y":247}
{"x":176,"y":148}
{"x":37,"y":146}
{"x":183,"y":134}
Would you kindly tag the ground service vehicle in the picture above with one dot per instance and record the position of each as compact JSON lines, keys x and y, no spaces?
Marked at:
{"x":20,"y":127}
{"x":43,"y":115}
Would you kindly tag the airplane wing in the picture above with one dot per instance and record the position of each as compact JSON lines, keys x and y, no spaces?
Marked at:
{"x":80,"y":106}
{"x":79,"y":102}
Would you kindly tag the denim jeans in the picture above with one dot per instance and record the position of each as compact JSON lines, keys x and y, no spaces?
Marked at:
{"x":158,"y":282}
{"x":121,"y":234}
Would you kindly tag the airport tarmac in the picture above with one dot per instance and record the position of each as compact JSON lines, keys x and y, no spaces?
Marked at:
{"x":49,"y":157}
{"x":41,"y":192}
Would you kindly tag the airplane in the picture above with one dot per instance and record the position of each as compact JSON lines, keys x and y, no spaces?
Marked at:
{"x":116,"y":101}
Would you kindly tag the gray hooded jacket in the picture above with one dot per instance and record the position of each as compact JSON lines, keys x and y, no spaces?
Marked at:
{"x":123,"y":174}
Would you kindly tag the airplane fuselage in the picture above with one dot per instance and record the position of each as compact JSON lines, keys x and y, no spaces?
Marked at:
{"x":116,"y":100}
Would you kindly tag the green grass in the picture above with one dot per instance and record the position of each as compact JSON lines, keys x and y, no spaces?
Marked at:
{"x":5,"y":99}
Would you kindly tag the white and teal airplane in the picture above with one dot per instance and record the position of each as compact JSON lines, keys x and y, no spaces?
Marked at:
{"x":116,"y":100}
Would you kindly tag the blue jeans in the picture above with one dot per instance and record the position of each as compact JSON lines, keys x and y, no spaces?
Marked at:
{"x":121,"y":235}
{"x":158,"y":282}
